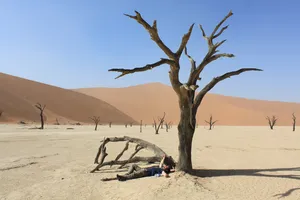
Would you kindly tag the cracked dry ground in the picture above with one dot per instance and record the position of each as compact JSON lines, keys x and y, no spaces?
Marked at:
{"x":231,"y":163}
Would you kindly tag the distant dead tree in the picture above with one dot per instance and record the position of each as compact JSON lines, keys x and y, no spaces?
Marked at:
{"x":110,"y":124}
{"x":57,"y":122}
{"x":141,"y":126}
{"x":272,"y":121}
{"x":130,"y":124}
{"x":160,"y":122}
{"x":126,"y":125}
{"x":168,"y":126}
{"x":294,"y":122}
{"x":96,"y":120}
{"x":1,"y":112}
{"x":211,"y":122}
{"x":41,"y":108}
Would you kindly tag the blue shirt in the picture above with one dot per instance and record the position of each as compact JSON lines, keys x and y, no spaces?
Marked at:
{"x":154,"y":170}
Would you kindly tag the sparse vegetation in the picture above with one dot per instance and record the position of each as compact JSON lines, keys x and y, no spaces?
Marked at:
{"x":41,"y":109}
{"x":272,"y":121}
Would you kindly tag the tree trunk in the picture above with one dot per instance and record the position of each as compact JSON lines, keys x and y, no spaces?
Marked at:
{"x":42,"y":120}
{"x":96,"y":126}
{"x":186,"y":129}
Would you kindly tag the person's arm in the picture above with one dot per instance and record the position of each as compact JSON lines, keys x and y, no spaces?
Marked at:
{"x":162,"y":161}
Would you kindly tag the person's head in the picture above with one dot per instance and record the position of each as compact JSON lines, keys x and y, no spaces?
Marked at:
{"x":166,"y":170}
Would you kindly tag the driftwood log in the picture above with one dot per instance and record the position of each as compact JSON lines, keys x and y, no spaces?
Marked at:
{"x":140,"y":145}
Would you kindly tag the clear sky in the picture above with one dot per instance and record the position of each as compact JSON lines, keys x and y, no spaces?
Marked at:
{"x":72,"y":44}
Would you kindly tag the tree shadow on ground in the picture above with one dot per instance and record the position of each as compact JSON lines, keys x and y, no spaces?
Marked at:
{"x":287,"y":193}
{"x":245,"y":172}
{"x":205,"y":173}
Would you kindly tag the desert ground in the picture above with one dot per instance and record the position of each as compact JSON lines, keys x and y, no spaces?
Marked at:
{"x":231,"y":163}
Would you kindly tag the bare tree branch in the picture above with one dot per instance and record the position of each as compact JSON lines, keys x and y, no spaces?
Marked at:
{"x":160,"y":123}
{"x":184,"y":41}
{"x":216,"y":80}
{"x":153,"y":33}
{"x":212,"y":49}
{"x":193,"y":62}
{"x":137,"y":149}
{"x":139,"y":69}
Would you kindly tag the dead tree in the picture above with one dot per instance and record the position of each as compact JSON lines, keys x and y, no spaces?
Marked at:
{"x":160,"y":122}
{"x":294,"y":122}
{"x":140,"y":145}
{"x":41,"y":108}
{"x":125,"y":125}
{"x":211,"y":122}
{"x":272,"y":121}
{"x":57,"y":122}
{"x":110,"y":124}
{"x":96,"y":120}
{"x":187,"y":98}
{"x":168,"y":126}
{"x":1,"y":112}
{"x":141,"y":126}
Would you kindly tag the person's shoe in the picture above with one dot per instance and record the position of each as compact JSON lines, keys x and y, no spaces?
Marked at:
{"x":121,"y":178}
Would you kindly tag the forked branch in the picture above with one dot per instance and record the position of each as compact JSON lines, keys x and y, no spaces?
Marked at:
{"x":216,"y":80}
{"x":160,"y":123}
{"x":272,"y":121}
{"x":41,"y":109}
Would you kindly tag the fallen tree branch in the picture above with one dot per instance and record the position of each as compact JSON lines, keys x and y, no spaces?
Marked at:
{"x":147,"y":145}
{"x":140,"y":144}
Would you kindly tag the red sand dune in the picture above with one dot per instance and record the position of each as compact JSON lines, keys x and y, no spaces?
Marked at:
{"x":143,"y":102}
{"x":18,"y":97}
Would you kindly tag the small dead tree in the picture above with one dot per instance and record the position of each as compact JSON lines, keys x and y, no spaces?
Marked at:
{"x":57,"y":122}
{"x":168,"y":126}
{"x":141,"y":126}
{"x":41,"y":109}
{"x":140,"y":145}
{"x":110,"y":124}
{"x":272,"y":121}
{"x":96,"y":120}
{"x":211,"y":122}
{"x":1,"y":112}
{"x":160,"y":122}
{"x":188,"y":99}
{"x":126,"y":125}
{"x":294,"y":122}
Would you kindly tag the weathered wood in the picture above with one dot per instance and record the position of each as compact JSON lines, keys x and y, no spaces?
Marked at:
{"x":122,"y":152}
{"x":136,"y":159}
{"x":137,"y":149}
{"x":188,"y":101}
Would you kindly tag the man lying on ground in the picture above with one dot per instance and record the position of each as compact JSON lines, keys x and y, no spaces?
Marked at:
{"x":136,"y":171}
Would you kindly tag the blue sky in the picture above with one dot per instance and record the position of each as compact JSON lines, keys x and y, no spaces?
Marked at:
{"x":72,"y":43}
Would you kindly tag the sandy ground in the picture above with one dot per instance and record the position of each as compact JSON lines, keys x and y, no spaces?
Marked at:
{"x":238,"y":162}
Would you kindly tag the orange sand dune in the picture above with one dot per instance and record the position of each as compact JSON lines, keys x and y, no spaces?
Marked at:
{"x":143,"y":102}
{"x":18,"y":97}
